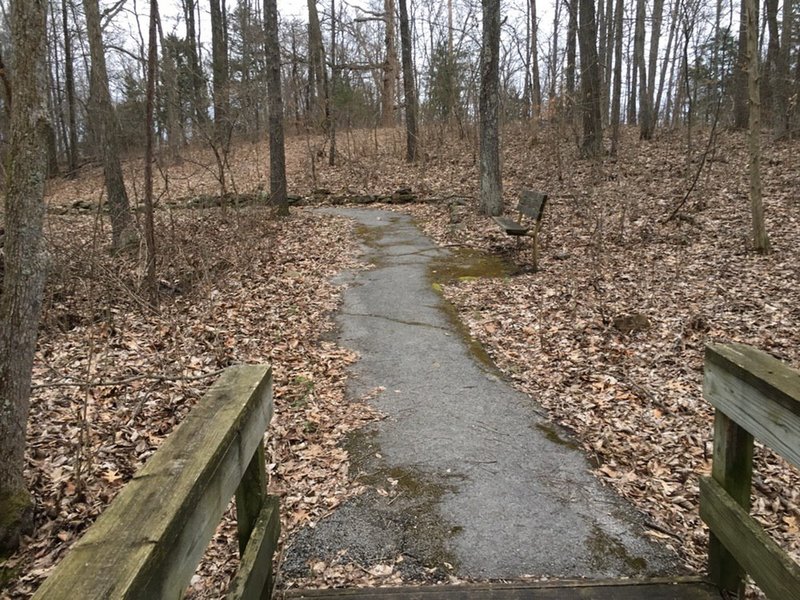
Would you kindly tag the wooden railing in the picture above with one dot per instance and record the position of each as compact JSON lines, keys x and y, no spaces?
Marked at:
{"x":755,"y":395}
{"x":148,"y":542}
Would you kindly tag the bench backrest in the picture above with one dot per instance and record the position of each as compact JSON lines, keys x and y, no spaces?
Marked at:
{"x":755,"y":396}
{"x":531,"y":204}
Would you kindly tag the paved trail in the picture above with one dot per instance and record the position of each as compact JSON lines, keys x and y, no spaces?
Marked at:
{"x":480,"y":485}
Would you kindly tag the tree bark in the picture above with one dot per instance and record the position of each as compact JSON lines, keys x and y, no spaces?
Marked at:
{"x":149,"y":226}
{"x":490,"y":176}
{"x":638,"y":75}
{"x":389,"y":67}
{"x":317,"y":73}
{"x":740,"y":77}
{"x":69,"y":77}
{"x":572,"y":32}
{"x":277,"y":153}
{"x":24,"y":263}
{"x":782,"y":81}
{"x":219,"y":77}
{"x":535,"y":79}
{"x":106,"y":132}
{"x":331,"y":113}
{"x":200,"y":115}
{"x":616,"y":100}
{"x":409,"y":87}
{"x":760,"y":238}
{"x":592,"y":144}
{"x":647,"y":125}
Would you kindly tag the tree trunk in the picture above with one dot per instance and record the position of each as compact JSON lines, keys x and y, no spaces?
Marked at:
{"x":200,"y":115}
{"x":389,"y":67}
{"x":740,"y":78}
{"x":24,"y":263}
{"x":768,"y":75}
{"x":647,"y":125}
{"x":104,"y":123}
{"x":277,"y":156}
{"x":665,"y":63}
{"x":638,"y":66}
{"x":535,"y":80}
{"x":169,"y":84}
{"x":69,"y":77}
{"x":151,"y":283}
{"x":608,"y":64}
{"x":220,"y":78}
{"x":317,"y":73}
{"x":760,"y":239}
{"x":782,"y":81}
{"x":616,"y":100}
{"x":592,"y":144}
{"x":409,"y":88}
{"x":491,"y":181}
{"x":572,"y":32}
{"x":331,"y":113}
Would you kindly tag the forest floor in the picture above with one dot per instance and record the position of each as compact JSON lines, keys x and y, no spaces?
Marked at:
{"x":608,"y":335}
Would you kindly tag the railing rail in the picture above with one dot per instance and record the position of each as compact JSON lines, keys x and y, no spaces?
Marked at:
{"x":149,"y":540}
{"x":755,"y":396}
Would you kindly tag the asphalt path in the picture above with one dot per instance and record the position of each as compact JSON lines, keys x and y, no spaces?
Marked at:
{"x":466,"y":476}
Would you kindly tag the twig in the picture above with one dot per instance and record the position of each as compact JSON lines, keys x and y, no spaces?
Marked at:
{"x":112,"y":383}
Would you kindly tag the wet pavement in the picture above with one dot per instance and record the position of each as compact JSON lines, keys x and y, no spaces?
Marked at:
{"x":465,"y":474}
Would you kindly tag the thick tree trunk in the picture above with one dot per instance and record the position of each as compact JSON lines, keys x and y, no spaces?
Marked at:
{"x":639,"y":77}
{"x":104,"y":123}
{"x":317,"y":73}
{"x":616,"y":100}
{"x":592,"y":144}
{"x":606,"y":76}
{"x":277,"y":156}
{"x":25,"y":261}
{"x":760,"y":239}
{"x":219,"y":77}
{"x":490,"y":177}
{"x":389,"y":67}
{"x":769,"y":68}
{"x":409,"y":88}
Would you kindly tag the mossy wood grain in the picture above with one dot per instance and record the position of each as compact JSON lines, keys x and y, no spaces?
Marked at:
{"x":771,"y":568}
{"x":148,"y":542}
{"x":758,"y":392}
{"x":253,"y":580}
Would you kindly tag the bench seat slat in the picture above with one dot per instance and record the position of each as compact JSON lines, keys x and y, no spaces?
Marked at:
{"x":511,"y":226}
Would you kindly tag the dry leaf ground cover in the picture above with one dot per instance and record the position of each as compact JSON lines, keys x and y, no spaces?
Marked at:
{"x":240,"y":287}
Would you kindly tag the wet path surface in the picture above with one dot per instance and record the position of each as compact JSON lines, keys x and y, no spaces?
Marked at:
{"x":465,"y":475}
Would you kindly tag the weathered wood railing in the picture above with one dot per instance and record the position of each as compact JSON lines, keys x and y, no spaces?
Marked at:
{"x":148,"y":542}
{"x":755,"y":395}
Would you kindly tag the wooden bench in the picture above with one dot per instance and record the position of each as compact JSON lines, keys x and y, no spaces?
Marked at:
{"x":149,"y":540}
{"x":530,"y":209}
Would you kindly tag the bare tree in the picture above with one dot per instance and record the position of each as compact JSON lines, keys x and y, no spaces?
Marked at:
{"x":616,"y":100}
{"x":25,"y":260}
{"x":103,"y":121}
{"x":782,"y":79}
{"x":760,"y":239}
{"x":389,"y":67}
{"x":277,"y":155}
{"x":69,"y":77}
{"x":740,"y":85}
{"x":647,"y":115}
{"x":592,"y":144}
{"x":409,"y":88}
{"x":149,"y":226}
{"x":491,"y":179}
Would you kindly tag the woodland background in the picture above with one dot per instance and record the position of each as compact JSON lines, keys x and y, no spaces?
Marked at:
{"x":655,"y":127}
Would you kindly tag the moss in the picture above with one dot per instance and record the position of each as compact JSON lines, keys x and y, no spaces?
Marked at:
{"x":16,"y":517}
{"x":605,"y":548}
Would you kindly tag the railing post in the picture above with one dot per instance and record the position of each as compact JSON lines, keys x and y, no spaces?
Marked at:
{"x":250,"y":496}
{"x":732,"y":468}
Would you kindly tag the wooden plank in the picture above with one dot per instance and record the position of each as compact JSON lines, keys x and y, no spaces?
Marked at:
{"x":532,"y":204}
{"x":148,"y":542}
{"x":776,"y":574}
{"x":253,"y":580}
{"x":659,"y":589}
{"x":250,"y":497}
{"x":511,"y":226}
{"x":732,"y":468}
{"x":759,"y":392}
